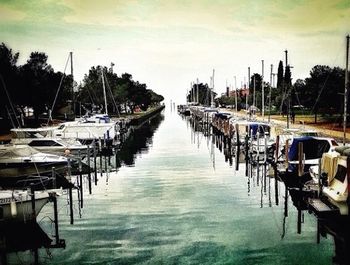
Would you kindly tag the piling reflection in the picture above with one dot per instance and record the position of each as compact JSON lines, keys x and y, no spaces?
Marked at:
{"x":263,"y":176}
{"x":30,"y":237}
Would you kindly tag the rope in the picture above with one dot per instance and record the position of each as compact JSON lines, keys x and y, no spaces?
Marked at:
{"x":9,"y":99}
{"x":58,"y":90}
{"x":110,"y":91}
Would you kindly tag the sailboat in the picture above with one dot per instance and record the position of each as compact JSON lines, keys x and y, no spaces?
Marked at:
{"x":90,"y":126}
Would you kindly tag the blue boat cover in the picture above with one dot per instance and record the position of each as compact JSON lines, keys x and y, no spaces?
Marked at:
{"x":313,"y":148}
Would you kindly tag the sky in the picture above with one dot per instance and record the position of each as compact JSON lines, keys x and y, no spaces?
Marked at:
{"x":167,"y":44}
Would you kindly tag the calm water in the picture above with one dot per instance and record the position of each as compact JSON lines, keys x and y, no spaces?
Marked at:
{"x":178,"y":202}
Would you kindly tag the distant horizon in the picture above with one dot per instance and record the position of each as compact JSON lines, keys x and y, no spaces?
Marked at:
{"x":169,"y":44}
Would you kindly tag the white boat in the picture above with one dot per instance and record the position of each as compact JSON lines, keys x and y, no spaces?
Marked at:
{"x":87,"y":129}
{"x":334,"y":177}
{"x":17,"y":204}
{"x":23,"y":160}
{"x":42,"y":140}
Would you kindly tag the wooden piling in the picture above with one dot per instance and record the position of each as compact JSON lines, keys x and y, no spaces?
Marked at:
{"x":286,"y":154}
{"x":54,"y":199}
{"x":32,"y":196}
{"x":95,"y":164}
{"x":348,"y":178}
{"x":300,"y":159}
{"x":53,"y":175}
{"x":100,"y":152}
{"x":286,"y":201}
{"x":300,"y":173}
{"x":258,"y":157}
{"x":71,"y":214}
{"x":319,"y":177}
{"x":277,"y":148}
{"x":276,"y":185}
{"x":246,"y":154}
{"x":89,"y":168}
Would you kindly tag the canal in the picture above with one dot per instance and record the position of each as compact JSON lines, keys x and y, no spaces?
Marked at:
{"x":177,"y":200}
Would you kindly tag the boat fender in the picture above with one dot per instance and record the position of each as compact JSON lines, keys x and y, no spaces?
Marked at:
{"x":13,"y":208}
{"x":67,"y":152}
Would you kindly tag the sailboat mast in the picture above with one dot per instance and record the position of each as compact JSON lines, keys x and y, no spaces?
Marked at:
{"x":104,"y":91}
{"x":71,"y":72}
{"x":346,"y":87}
{"x":197,"y":97}
{"x":247,"y":94}
{"x":254,"y":90}
{"x":262,"y":90}
{"x":270,"y":92}
{"x":212,"y":92}
{"x":236,"y":94}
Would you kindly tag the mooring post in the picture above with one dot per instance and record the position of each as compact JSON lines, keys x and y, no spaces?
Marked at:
{"x":95,"y":164}
{"x":276,"y":184}
{"x":69,"y":169}
{"x":100,"y":151}
{"x":36,"y":256}
{"x":277,"y":148}
{"x":246,"y":154}
{"x":81,"y":184}
{"x":319,"y":177}
{"x":300,"y":173}
{"x":89,"y":168}
{"x":54,"y":199}
{"x":105,"y":161}
{"x":264,"y":175}
{"x":116,"y":157}
{"x":32,"y":194}
{"x":238,"y":147}
{"x":237,"y":157}
{"x":300,"y":159}
{"x":286,"y":154}
{"x":286,"y":201}
{"x":71,"y":214}
{"x":348,"y":178}
{"x":258,"y":157}
{"x":53,"y":175}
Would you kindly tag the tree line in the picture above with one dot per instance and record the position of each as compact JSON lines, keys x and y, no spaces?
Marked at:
{"x":36,"y":85}
{"x":322,"y":93}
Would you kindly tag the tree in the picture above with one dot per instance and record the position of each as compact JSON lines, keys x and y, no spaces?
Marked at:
{"x":8,"y":78}
{"x":255,"y":81}
{"x":155,"y":98}
{"x":280,"y":78}
{"x":37,"y":89}
{"x":123,"y":90}
{"x":204,"y":95}
{"x":323,"y":89}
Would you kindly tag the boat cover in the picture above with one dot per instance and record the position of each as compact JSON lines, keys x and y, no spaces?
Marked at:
{"x":313,"y":147}
{"x":262,"y":128}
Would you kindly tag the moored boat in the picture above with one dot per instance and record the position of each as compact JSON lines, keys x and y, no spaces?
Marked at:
{"x":17,"y":204}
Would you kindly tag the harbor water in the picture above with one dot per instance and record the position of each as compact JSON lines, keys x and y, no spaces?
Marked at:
{"x":177,"y":200}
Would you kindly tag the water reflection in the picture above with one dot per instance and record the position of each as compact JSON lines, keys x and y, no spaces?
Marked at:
{"x":184,"y":202}
{"x":139,"y":140}
{"x":263,"y":177}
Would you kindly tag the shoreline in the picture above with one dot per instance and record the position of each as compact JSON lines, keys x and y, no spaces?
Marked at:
{"x":133,"y":119}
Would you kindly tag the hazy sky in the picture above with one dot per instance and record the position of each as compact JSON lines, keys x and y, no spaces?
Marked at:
{"x":168,"y":44}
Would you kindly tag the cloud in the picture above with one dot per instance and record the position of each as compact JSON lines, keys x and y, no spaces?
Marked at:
{"x":9,"y":14}
{"x":161,"y":38}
